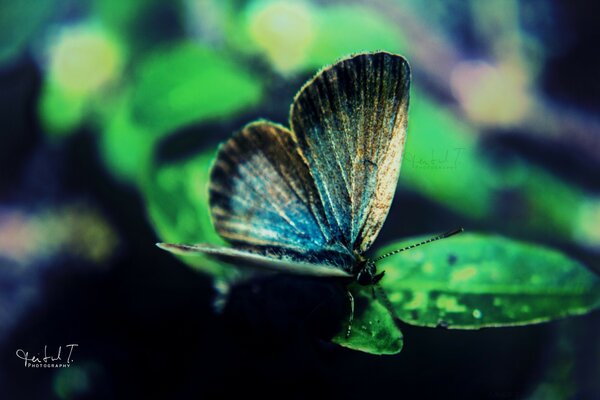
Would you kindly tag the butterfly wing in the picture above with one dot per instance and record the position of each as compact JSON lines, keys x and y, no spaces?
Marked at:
{"x":313,"y":196}
{"x":275,"y":261}
{"x":350,"y":124}
{"x":262,"y":196}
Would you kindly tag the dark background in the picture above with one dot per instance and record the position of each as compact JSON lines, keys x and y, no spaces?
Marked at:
{"x":77,"y":256}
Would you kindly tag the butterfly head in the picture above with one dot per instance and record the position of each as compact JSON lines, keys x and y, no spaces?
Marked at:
{"x":367,"y":273}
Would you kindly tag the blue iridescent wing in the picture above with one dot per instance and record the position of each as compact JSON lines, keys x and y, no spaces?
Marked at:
{"x":263,"y":197}
{"x":278,"y":261}
{"x":350,"y":124}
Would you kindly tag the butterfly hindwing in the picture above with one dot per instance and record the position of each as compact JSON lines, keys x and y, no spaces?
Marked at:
{"x":262,"y":195}
{"x":350,"y":124}
{"x":279,"y":262}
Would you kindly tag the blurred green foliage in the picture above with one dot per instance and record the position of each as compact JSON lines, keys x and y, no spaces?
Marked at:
{"x":442,"y":161}
{"x":126,"y":146}
{"x":61,"y":113}
{"x":190,"y":83}
{"x":71,"y":383}
{"x":177,"y":201}
{"x":172,"y":88}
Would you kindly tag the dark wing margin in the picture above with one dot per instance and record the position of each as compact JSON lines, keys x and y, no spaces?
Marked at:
{"x":350,"y":124}
{"x":277,"y":262}
{"x":263,"y":196}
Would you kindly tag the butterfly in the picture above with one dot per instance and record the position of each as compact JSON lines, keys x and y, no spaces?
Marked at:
{"x":311,"y":199}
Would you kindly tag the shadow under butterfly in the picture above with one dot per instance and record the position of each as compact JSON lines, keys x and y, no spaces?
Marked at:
{"x":312,"y":199}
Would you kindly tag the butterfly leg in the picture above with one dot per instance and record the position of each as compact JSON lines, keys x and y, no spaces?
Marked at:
{"x":351,"y":319}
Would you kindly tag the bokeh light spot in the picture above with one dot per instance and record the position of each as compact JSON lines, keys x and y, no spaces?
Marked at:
{"x":84,"y":59}
{"x":283,"y":30}
{"x":491,"y":94}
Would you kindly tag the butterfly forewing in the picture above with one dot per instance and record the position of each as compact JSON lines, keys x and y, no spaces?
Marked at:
{"x":350,"y":124}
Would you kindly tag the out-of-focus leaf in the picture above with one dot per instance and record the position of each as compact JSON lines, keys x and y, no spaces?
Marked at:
{"x":61,"y":113}
{"x":441,"y":160}
{"x":587,"y":223}
{"x":177,"y":202}
{"x":125,"y":146}
{"x":558,"y":374}
{"x":373,"y":330}
{"x":472,"y":281}
{"x":189,"y":83}
{"x":71,"y":382}
{"x":19,"y":22}
{"x":141,"y":24}
{"x":544,"y":196}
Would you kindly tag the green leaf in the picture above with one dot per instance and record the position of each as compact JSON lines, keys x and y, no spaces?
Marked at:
{"x":189,"y":83}
{"x":176,"y":197}
{"x":472,"y":281}
{"x":373,"y":330}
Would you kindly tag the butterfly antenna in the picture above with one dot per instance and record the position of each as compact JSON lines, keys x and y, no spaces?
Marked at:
{"x":383,"y":297}
{"x":412,"y":246}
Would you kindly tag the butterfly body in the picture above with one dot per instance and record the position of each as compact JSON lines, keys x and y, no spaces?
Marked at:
{"x":366,"y":273}
{"x":311,"y":199}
